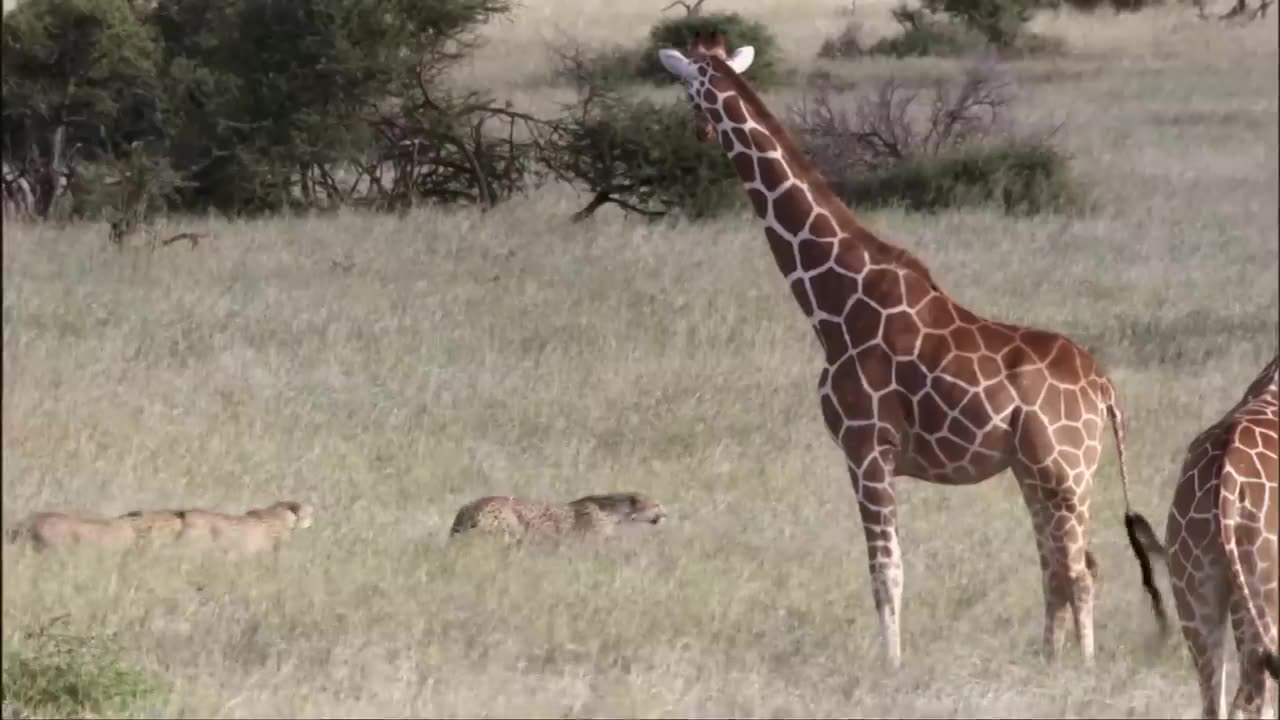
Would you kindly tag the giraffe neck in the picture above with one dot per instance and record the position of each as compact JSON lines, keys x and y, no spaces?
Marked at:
{"x":806,"y":224}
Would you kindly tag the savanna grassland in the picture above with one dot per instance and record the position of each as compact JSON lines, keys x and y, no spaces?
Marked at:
{"x":389,"y":369}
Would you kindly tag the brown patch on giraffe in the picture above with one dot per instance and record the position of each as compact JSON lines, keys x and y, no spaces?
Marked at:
{"x":851,"y":397}
{"x":934,"y":345}
{"x":936,"y":313}
{"x":726,"y":141}
{"x":791,"y":209}
{"x":831,"y":415}
{"x":928,"y":453}
{"x":821,"y":227}
{"x":1051,"y":400}
{"x":1069,"y":435}
{"x":894,"y":407}
{"x":762,"y":142}
{"x":876,"y":367}
{"x":714,"y":116}
{"x":833,"y":339}
{"x":909,"y":375}
{"x":759,"y":201}
{"x":746,"y":167}
{"x":900,"y":333}
{"x":950,"y":449}
{"x":733,"y":110}
{"x":862,"y":322}
{"x":709,"y":97}
{"x":960,"y":430}
{"x":772,"y":174}
{"x":965,"y":340}
{"x":814,"y":254}
{"x":974,"y":410}
{"x":916,"y":293}
{"x":801,"y":293}
{"x":885,"y":284}
{"x":999,"y":398}
{"x":989,"y":367}
{"x":831,"y":290}
{"x":931,"y":416}
{"x":742,"y":139}
{"x":783,"y":251}
{"x":962,"y":369}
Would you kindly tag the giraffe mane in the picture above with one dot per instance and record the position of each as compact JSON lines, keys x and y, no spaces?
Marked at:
{"x":819,"y":188}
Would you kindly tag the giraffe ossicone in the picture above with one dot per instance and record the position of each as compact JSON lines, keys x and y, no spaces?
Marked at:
{"x":914,"y":383}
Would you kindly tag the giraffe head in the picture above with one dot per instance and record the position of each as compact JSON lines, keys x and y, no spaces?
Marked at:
{"x":703,"y":73}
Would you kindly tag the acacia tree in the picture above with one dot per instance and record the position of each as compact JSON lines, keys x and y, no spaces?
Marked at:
{"x":79,"y":82}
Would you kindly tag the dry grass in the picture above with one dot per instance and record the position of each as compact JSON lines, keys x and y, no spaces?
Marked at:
{"x":464,"y":355}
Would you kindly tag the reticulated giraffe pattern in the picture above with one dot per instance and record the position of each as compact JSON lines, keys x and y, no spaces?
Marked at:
{"x":914,"y":383}
{"x":1221,"y":541}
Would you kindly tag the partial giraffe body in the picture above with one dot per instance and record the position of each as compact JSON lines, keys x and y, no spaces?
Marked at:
{"x":1221,"y":546}
{"x":916,"y":384}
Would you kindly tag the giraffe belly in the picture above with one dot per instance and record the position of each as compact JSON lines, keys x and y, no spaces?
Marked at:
{"x":920,"y":459}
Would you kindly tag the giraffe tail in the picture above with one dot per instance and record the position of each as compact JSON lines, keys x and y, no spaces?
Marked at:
{"x":1142,"y":538}
{"x":1245,"y":578}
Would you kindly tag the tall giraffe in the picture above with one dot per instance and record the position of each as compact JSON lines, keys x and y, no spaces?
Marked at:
{"x":915,"y":384}
{"x":1221,"y":546}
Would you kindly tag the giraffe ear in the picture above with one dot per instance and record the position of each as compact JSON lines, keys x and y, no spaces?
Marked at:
{"x":742,"y":58}
{"x":676,"y":63}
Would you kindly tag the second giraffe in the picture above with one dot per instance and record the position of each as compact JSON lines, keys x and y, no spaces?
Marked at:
{"x":915,"y":384}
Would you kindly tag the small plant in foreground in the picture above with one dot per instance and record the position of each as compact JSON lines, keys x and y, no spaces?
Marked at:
{"x":66,"y":675}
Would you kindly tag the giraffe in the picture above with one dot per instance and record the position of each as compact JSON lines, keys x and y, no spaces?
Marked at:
{"x":914,"y":383}
{"x":1221,"y":547}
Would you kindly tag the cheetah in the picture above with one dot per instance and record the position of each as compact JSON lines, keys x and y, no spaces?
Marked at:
{"x":518,"y":518}
{"x":254,"y":531}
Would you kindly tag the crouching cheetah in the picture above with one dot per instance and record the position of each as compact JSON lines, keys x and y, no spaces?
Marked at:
{"x":519,"y":518}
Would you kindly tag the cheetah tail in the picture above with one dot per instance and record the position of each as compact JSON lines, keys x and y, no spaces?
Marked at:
{"x":1142,"y":539}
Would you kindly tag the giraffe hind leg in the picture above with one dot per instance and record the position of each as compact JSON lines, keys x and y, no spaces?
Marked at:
{"x":1061,"y":524}
{"x":1251,"y":694}
{"x":1199,"y":593}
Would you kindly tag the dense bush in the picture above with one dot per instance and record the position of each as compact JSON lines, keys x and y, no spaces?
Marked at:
{"x":637,"y":154}
{"x":959,"y":29}
{"x":80,"y":82}
{"x":55,"y":674}
{"x":954,"y":147}
{"x":1022,"y":178}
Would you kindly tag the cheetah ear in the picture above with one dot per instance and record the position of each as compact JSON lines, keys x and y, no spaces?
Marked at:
{"x":741,"y":59}
{"x":676,"y":63}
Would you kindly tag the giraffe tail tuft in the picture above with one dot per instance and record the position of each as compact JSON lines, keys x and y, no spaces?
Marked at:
{"x":1142,"y":539}
{"x":1272,"y":663}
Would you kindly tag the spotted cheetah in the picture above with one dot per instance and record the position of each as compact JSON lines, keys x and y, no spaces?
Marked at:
{"x":519,"y":518}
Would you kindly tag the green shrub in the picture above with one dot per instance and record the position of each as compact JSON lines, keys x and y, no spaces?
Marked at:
{"x":64,"y":675}
{"x":1023,"y":178}
{"x":738,"y":31}
{"x":962,"y":30}
{"x":641,"y":156}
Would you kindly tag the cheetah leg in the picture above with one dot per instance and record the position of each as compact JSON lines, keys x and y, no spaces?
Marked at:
{"x":1061,"y":522}
{"x":1200,"y":596}
{"x":872,"y":473}
{"x":1249,"y":698}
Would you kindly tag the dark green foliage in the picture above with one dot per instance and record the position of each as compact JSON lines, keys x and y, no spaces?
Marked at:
{"x":63,"y":675}
{"x":80,"y":81}
{"x":1020,"y":177}
{"x":952,"y":28}
{"x":643,"y":157}
{"x":677,"y":32}
{"x":999,"y":21}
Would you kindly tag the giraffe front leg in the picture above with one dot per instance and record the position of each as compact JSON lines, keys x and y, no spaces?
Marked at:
{"x":877,"y":505}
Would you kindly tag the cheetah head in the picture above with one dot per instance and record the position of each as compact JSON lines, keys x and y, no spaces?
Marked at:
{"x":628,"y":507}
